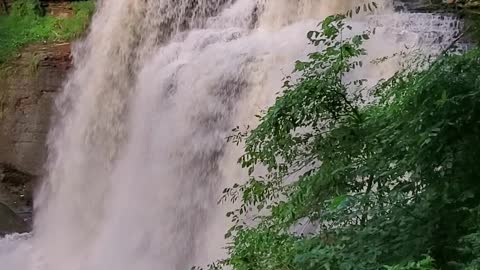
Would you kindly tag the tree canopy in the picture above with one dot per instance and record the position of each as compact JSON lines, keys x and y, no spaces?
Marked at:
{"x":392,"y":183}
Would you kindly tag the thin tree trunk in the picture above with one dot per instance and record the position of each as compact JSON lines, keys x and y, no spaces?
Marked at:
{"x":4,"y":6}
{"x":365,"y":209}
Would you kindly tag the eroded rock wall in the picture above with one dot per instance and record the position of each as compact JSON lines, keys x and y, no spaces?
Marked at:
{"x":28,"y":87}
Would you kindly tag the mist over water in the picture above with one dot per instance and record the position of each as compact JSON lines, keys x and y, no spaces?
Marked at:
{"x":138,"y":158}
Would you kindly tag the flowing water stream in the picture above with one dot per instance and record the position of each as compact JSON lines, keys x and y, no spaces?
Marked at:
{"x":138,"y":157}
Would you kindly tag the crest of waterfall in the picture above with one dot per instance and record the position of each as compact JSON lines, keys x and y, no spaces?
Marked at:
{"x":139,"y":157}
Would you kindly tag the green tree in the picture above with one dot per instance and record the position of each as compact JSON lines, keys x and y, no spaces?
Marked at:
{"x":389,"y":184}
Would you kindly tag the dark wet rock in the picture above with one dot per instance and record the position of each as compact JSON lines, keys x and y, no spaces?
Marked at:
{"x":11,"y":176}
{"x":436,"y":5}
{"x":16,"y":190}
{"x":10,"y":222}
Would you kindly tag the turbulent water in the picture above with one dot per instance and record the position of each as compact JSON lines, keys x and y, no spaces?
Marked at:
{"x":138,"y":158}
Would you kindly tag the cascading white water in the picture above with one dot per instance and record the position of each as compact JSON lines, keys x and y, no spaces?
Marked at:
{"x":139,"y":157}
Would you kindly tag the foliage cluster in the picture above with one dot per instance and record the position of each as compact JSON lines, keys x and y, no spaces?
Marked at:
{"x":27,"y":23}
{"x":386,"y":184}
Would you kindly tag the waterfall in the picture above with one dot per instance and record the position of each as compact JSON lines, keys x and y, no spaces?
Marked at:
{"x":138,"y":157}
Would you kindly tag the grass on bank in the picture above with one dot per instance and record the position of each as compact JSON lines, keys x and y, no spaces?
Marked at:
{"x":27,"y":23}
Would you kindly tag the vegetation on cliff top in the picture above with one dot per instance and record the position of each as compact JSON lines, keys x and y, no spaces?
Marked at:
{"x":27,"y":23}
{"x":390,"y":184}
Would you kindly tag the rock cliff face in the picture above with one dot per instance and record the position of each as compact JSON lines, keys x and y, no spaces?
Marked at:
{"x":433,"y":5}
{"x":28,"y":86}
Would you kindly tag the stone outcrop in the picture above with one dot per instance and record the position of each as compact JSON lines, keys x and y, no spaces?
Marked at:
{"x":10,"y":222}
{"x":29,"y":84}
{"x":436,"y":5}
{"x":16,"y":190}
{"x":28,"y":87}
